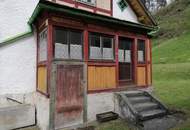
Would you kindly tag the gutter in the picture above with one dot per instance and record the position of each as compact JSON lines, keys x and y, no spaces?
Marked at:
{"x":18,"y":36}
{"x":24,"y":34}
{"x":154,"y":31}
{"x":59,"y":8}
{"x":41,"y":7}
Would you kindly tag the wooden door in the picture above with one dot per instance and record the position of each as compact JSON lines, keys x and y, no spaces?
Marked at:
{"x":69,"y":95}
{"x":125,"y":55}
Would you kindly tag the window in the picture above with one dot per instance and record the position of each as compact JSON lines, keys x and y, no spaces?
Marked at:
{"x":125,"y":50}
{"x":122,"y":4}
{"x":42,"y":45}
{"x":89,"y":2}
{"x":101,"y":46}
{"x":141,"y":51}
{"x":68,"y":44}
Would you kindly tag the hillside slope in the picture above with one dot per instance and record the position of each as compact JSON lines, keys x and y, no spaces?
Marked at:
{"x":172,"y":42}
{"x":171,"y":59}
{"x":173,"y":20}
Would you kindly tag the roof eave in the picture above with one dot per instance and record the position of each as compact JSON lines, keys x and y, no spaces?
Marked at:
{"x":148,"y":13}
{"x":65,"y":9}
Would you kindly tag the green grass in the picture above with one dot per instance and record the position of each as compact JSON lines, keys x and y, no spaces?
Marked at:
{"x":172,"y":86}
{"x":173,"y":21}
{"x":171,"y":58}
{"x":176,"y":50}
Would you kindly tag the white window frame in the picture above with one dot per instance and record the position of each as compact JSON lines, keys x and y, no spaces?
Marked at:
{"x":88,"y":3}
{"x":44,"y":35}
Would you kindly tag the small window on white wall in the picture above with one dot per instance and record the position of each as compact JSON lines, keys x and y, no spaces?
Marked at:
{"x":122,"y":4}
{"x":43,"y":45}
{"x":90,"y":2}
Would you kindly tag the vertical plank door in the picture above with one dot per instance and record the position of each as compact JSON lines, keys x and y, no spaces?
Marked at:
{"x":69,"y":95}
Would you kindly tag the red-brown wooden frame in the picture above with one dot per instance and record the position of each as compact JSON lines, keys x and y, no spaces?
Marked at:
{"x":77,"y":24}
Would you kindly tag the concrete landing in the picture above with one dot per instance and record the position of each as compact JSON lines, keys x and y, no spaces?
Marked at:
{"x":17,"y":116}
{"x":164,"y":123}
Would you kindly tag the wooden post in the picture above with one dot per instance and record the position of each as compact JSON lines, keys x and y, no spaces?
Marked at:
{"x":85,"y":93}
{"x":135,"y":60}
{"x":116,"y":58}
{"x":52,"y":93}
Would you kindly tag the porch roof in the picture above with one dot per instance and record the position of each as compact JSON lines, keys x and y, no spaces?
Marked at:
{"x":44,"y":5}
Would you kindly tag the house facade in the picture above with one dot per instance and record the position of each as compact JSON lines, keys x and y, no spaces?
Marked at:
{"x":75,"y":55}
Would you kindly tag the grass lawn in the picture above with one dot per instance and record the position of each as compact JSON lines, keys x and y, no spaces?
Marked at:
{"x":174,"y":50}
{"x":172,"y":86}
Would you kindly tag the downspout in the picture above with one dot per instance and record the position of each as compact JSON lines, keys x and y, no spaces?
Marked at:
{"x":18,"y":36}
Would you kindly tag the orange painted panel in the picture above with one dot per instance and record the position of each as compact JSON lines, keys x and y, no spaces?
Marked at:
{"x":141,"y":76}
{"x":100,"y":78}
{"x":91,"y":73}
{"x":42,"y":79}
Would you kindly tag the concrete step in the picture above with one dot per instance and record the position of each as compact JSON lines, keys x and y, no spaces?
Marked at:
{"x":139,"y":99}
{"x":141,"y":104}
{"x":134,"y":93}
{"x":145,"y":106}
{"x":150,"y":114}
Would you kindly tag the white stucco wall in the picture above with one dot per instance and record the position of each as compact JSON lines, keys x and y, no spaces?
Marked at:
{"x":99,"y":103}
{"x":14,"y":15}
{"x":127,"y":14}
{"x":18,"y":67}
{"x":42,"y":107}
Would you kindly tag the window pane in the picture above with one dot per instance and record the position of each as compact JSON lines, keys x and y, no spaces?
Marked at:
{"x":75,"y":45}
{"x":61,"y":44}
{"x":43,"y":45}
{"x":125,"y":50}
{"x":107,"y":44}
{"x":95,"y":48}
{"x":141,"y":50}
{"x":125,"y":71}
{"x":61,"y":36}
{"x":122,"y":48}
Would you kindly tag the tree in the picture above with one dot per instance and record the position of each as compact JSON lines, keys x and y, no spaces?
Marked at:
{"x":154,"y":5}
